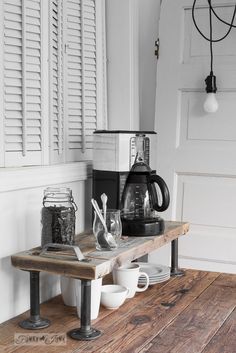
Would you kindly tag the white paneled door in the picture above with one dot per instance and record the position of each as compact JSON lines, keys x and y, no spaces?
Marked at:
{"x":196,"y":152}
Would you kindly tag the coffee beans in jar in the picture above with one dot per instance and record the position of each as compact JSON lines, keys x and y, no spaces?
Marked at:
{"x":58,"y":216}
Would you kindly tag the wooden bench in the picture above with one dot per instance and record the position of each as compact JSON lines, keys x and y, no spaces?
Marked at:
{"x":96,"y":264}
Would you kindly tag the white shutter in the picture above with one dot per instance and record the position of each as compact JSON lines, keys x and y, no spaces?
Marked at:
{"x":76,"y":50}
{"x":22,"y":82}
{"x":73,"y":77}
{"x":81,"y":78}
{"x":89,"y":70}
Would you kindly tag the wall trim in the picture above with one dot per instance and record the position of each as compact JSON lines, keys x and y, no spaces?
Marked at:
{"x":12,"y":179}
{"x":205,"y":264}
{"x":207,"y":260}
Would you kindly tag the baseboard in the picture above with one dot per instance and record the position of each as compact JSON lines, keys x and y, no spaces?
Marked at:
{"x":207,"y":264}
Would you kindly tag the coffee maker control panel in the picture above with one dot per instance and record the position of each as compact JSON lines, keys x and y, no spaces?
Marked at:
{"x":117,"y":150}
{"x":145,"y":142}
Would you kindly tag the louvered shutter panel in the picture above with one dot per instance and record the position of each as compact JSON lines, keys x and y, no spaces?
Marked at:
{"x":81,"y":78}
{"x":73,"y":78}
{"x":22,"y":82}
{"x":89,"y":71}
{"x":77,"y":83}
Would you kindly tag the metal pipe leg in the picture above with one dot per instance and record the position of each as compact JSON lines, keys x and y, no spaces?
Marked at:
{"x":175,"y":271}
{"x":85,"y":332}
{"x":35,"y":321}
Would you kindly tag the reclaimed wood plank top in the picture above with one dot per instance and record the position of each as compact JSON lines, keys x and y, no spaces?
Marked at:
{"x":97,"y":263}
{"x":195,"y":313}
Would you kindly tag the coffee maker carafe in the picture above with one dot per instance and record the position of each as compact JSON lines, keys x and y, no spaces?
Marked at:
{"x":140,"y":202}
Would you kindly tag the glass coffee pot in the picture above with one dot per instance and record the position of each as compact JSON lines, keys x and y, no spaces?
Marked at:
{"x":141,"y":202}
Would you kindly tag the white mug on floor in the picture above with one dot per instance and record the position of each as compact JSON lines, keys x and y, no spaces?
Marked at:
{"x":71,"y":294}
{"x":96,"y":286}
{"x":68,"y":290}
{"x":127,"y":276}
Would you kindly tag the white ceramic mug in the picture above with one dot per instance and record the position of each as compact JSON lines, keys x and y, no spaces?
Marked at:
{"x":71,"y":294}
{"x":68,"y":290}
{"x":127,"y":276}
{"x":96,"y":286}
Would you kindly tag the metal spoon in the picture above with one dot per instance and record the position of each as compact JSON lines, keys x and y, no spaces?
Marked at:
{"x":106,"y":236}
{"x":104,"y":205}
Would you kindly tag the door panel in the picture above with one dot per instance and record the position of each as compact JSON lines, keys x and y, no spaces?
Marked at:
{"x":196,"y":125}
{"x":197,"y":151}
{"x":214,"y":200}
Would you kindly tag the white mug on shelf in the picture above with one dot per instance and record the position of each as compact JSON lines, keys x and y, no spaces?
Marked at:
{"x":127,"y":276}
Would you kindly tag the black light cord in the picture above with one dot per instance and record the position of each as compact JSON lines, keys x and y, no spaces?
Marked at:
{"x":220,"y":19}
{"x":211,"y":79}
{"x":213,"y":11}
{"x":211,"y":44}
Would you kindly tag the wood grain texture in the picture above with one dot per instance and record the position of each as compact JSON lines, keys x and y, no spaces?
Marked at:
{"x":195,"y":327}
{"x":225,"y":339}
{"x":141,"y":318}
{"x":99,"y":263}
{"x":195,"y":313}
{"x":140,"y":321}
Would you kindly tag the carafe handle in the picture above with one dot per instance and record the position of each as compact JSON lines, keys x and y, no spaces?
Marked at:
{"x":164,"y":192}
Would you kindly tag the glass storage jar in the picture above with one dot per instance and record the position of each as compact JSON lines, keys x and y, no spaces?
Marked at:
{"x":58,"y":216}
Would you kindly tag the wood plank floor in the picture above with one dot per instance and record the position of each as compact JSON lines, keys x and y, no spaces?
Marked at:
{"x":190,"y":314}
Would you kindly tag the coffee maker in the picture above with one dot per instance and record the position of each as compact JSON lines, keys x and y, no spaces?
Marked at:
{"x":114,"y":153}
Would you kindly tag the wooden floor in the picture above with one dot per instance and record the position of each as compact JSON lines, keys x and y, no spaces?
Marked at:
{"x":190,"y":314}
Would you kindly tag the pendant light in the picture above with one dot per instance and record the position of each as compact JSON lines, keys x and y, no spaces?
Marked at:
{"x":211,"y":105}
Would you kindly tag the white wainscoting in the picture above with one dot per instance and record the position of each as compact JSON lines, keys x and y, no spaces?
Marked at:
{"x":21,"y":195}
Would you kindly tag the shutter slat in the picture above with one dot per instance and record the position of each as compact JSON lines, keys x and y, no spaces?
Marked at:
{"x":13,"y":74}
{"x":12,"y":25}
{"x":12,"y":8}
{"x":13,"y":35}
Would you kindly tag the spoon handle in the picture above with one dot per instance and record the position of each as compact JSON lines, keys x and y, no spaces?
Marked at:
{"x":104,"y":205}
{"x":97,"y":209}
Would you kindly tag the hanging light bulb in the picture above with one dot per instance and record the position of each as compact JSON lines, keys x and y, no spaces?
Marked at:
{"x":211,"y":105}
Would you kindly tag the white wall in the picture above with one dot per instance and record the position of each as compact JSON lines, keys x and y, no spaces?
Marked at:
{"x":122,"y":64}
{"x":149,"y":11}
{"x":21,"y":194}
{"x":132,"y":28}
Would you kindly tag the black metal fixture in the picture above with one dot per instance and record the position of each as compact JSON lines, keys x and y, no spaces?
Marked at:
{"x":85,"y":332}
{"x":35,"y":321}
{"x":211,"y":104}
